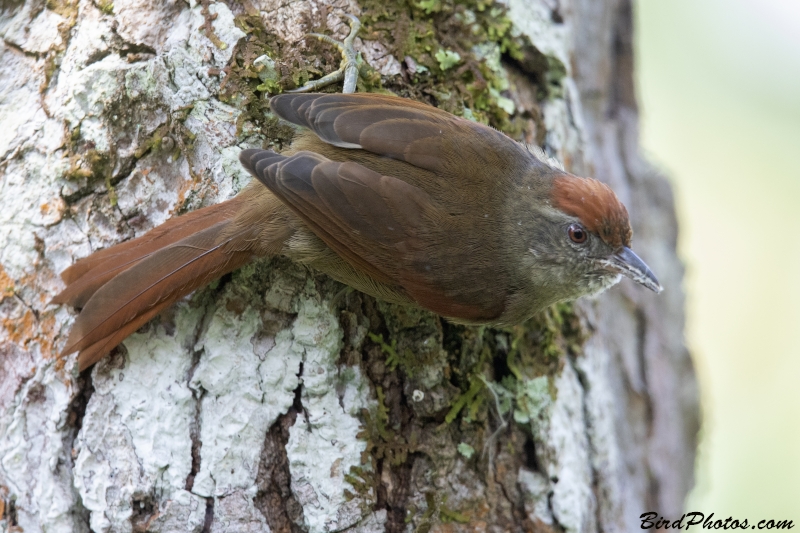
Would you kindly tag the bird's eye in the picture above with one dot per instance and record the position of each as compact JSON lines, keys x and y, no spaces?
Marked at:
{"x":577,"y":234}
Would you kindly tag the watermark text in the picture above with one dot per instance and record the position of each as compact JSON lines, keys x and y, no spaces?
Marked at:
{"x":701,"y":521}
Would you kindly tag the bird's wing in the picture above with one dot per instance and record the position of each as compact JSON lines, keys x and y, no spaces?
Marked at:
{"x":409,"y":131}
{"x":381,"y":225}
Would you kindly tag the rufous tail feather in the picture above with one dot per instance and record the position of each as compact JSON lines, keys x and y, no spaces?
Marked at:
{"x":122,"y":288}
{"x":87,"y":275}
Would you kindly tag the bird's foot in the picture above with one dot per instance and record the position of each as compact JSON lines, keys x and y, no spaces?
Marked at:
{"x":349,"y":67}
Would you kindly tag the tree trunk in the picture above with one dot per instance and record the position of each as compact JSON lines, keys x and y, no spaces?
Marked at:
{"x":276,"y":399}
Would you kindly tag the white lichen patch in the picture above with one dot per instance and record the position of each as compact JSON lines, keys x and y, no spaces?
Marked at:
{"x":33,"y":211}
{"x":322,"y":444}
{"x":33,"y":466}
{"x":32,"y":28}
{"x":135,"y":444}
{"x":379,"y":58}
{"x":374,"y":522}
{"x":288,"y":19}
{"x":141,"y":22}
{"x":91,"y":41}
{"x":534,"y":19}
{"x":20,"y":111}
{"x":82,"y":98}
{"x":567,"y":457}
{"x":617,"y":508}
{"x":225,"y":30}
{"x":241,"y":397}
{"x":136,"y":430}
{"x":237,"y":513}
{"x":221,"y":393}
{"x":563,"y":491}
{"x":563,"y":119}
{"x":533,"y":403}
{"x":153,"y":191}
{"x":536,"y":492}
{"x":562,"y":113}
{"x":216,"y":152}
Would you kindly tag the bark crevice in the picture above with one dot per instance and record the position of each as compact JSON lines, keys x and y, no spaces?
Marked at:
{"x":159,"y":116}
{"x":274,"y":499}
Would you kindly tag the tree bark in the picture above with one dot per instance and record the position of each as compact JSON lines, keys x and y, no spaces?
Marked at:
{"x":276,"y":399}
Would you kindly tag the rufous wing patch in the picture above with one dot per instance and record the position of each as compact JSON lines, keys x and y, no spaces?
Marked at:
{"x":596,"y":206}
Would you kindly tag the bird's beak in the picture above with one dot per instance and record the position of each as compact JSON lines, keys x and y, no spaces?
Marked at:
{"x":628,"y":264}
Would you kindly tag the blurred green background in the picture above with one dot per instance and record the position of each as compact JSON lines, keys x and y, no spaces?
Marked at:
{"x":719,"y":90}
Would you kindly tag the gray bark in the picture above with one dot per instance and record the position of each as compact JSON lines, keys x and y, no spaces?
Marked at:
{"x":274,"y":400}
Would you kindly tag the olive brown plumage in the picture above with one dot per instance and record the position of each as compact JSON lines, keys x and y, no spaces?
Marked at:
{"x":393,"y":197}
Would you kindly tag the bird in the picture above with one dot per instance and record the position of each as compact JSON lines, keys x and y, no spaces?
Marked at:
{"x":393,"y":197}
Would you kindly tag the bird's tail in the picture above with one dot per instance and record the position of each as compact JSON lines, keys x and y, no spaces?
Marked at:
{"x":121,"y":288}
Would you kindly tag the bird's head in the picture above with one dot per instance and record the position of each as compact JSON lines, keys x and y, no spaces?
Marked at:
{"x":586,"y":240}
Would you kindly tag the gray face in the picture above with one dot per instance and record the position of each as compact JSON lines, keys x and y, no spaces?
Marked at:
{"x":573,"y":262}
{"x":568,"y":256}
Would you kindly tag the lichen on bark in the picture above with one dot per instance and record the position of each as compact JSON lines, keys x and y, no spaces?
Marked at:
{"x":277,"y":399}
